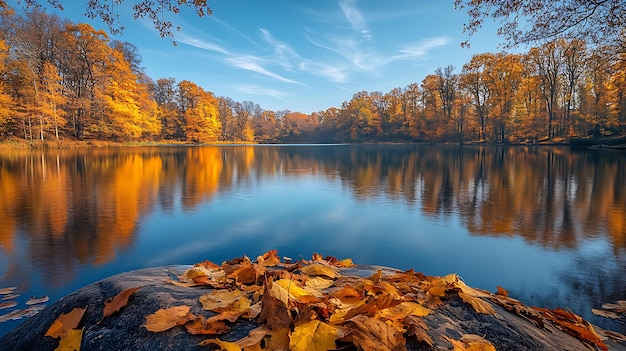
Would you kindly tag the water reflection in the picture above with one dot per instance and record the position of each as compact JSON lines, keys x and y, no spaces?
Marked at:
{"x":61,"y":209}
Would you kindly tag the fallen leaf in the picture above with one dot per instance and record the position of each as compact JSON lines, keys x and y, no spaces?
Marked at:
{"x":319,"y":269}
{"x":417,"y":328}
{"x":279,"y":339}
{"x":403,"y":310}
{"x":479,"y":305}
{"x":167,"y":318}
{"x":223,"y":345}
{"x":118,"y":302}
{"x":471,"y":342}
{"x":10,"y":297}
{"x":619,"y":305}
{"x":296,"y":292}
{"x":269,"y":259}
{"x":372,"y":334}
{"x":71,"y":341}
{"x":200,"y":326}
{"x":318,"y":283}
{"x":314,"y":336}
{"x":66,"y":322}
{"x":502,"y":291}
{"x":255,"y":336}
{"x":274,"y":311}
{"x":220,"y":300}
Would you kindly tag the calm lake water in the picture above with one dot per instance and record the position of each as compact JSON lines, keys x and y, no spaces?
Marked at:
{"x":548,"y":224}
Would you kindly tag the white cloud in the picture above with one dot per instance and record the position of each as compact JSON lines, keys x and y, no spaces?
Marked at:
{"x":255,"y":64}
{"x":257,"y":90}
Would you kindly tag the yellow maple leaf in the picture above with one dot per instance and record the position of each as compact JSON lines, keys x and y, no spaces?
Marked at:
{"x":403,"y":310}
{"x":477,"y":303}
{"x":66,"y":322}
{"x":220,"y":300}
{"x":313,"y":336}
{"x":318,"y":283}
{"x":71,"y":341}
{"x":319,"y":269}
{"x":168,"y":318}
{"x":295,"y":291}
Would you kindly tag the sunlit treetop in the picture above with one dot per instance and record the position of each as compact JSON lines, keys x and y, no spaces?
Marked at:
{"x":600,"y":22}
{"x":106,"y":10}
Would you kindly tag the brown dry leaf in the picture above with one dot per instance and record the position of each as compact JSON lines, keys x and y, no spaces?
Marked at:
{"x":502,"y":291}
{"x":71,"y":341}
{"x":269,"y":259}
{"x":246,"y":273}
{"x":372,"y":334}
{"x":403,"y":310}
{"x":274,"y":311}
{"x":7,"y":291}
{"x":255,"y":336}
{"x":479,"y":305}
{"x":417,"y":327}
{"x":314,"y":336}
{"x":319,"y":269}
{"x":66,"y":322}
{"x":8,"y":304}
{"x":253,"y":311}
{"x":471,"y":342}
{"x":202,"y":326}
{"x":347,"y":293}
{"x":223,"y":345}
{"x":205,"y":274}
{"x":221,"y":300}
{"x":168,"y":318}
{"x":619,"y":305}
{"x":118,"y":302}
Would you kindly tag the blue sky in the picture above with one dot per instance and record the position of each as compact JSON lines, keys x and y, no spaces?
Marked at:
{"x":299,"y":55}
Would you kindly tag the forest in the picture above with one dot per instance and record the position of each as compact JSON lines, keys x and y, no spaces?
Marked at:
{"x":64,"y":81}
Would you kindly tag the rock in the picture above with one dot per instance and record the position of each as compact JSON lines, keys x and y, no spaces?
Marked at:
{"x":124,"y":330}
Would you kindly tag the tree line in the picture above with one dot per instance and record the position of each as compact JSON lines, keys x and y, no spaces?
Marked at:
{"x":61,"y":80}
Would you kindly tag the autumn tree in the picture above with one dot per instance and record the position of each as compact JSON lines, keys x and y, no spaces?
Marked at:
{"x":53,"y":99}
{"x":6,"y":101}
{"x":164,"y":91}
{"x":108,"y":11}
{"x":529,"y":21}
{"x":198,"y":109}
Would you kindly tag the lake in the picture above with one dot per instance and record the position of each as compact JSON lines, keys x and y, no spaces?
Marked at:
{"x":546,"y":223}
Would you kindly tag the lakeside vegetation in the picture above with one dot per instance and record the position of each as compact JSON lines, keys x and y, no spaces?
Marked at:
{"x":64,"y":84}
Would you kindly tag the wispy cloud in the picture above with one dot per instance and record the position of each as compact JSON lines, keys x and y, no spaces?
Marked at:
{"x":354,"y":16}
{"x":201,"y":44}
{"x":283,"y":53}
{"x":256,"y":64}
{"x":258,"y":90}
{"x":421,"y":48}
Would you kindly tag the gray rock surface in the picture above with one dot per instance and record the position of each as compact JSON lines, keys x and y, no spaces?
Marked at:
{"x":124,"y":330}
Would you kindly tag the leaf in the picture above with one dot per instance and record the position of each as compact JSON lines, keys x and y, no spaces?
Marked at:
{"x":319,"y":269}
{"x":118,"y":302}
{"x":471,"y":342}
{"x":66,"y":322}
{"x":8,"y":304}
{"x":403,"y":310}
{"x":255,"y":336}
{"x":71,"y":341}
{"x":202,"y":326}
{"x":269,"y":259}
{"x":167,"y":318}
{"x":296,"y":292}
{"x":274,"y":312}
{"x":279,"y":339}
{"x":417,"y":327}
{"x":502,"y":291}
{"x":221,"y":300}
{"x":372,"y":334}
{"x":314,"y":336}
{"x":477,"y":303}
{"x":318,"y":283}
{"x":223,"y":345}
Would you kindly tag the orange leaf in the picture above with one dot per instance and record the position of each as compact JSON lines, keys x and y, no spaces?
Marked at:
{"x":168,"y":318}
{"x":372,"y":334}
{"x":269,"y":259}
{"x":319,"y":269}
{"x":274,"y":312}
{"x":223,"y":345}
{"x":471,"y":342}
{"x":254,"y":337}
{"x":417,"y":327}
{"x":202,"y":326}
{"x":66,"y":322}
{"x":118,"y":302}
{"x":477,"y":303}
{"x":502,"y":291}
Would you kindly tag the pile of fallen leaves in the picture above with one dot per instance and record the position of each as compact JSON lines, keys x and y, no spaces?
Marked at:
{"x":317,"y":305}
